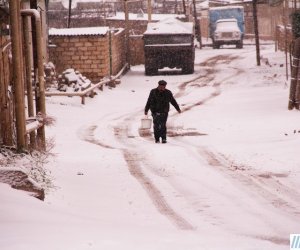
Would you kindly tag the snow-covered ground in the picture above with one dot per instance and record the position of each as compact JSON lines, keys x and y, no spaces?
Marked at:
{"x":228,"y":178}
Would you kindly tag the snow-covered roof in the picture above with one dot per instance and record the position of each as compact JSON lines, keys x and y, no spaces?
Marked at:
{"x":79,"y":31}
{"x":169,"y":26}
{"x":226,"y":7}
{"x":229,"y":20}
{"x":138,"y":16}
{"x":229,"y":2}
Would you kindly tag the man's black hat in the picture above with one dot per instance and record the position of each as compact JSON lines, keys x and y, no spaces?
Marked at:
{"x":162,"y":82}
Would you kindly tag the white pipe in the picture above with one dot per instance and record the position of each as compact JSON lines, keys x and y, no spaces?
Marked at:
{"x":32,"y":126}
{"x":40,"y":96}
{"x":40,"y":60}
{"x":32,"y":12}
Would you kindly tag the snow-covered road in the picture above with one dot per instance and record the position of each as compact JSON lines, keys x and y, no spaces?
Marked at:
{"x":228,"y":178}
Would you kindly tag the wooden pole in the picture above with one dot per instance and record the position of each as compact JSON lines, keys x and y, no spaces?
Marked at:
{"x":294,"y":98}
{"x":6,"y":102}
{"x":294,"y":75}
{"x":126,"y":31}
{"x":3,"y":91}
{"x":197,"y":25}
{"x":6,"y":134}
{"x":276,"y":38}
{"x":285,"y":39}
{"x":110,"y":55}
{"x":18,"y":82}
{"x":149,"y":11}
{"x":70,"y":13}
{"x":255,"y":23}
{"x":184,"y":7}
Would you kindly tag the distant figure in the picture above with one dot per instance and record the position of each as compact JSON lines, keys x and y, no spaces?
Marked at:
{"x":158,"y":102}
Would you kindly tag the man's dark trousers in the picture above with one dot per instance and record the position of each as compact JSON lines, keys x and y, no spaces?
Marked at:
{"x":160,"y":129}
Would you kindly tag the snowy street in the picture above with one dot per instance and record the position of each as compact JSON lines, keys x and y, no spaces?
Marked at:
{"x":228,"y":177}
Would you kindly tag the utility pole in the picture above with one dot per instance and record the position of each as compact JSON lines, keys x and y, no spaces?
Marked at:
{"x":285,"y":40}
{"x":6,"y":119}
{"x":70,"y":13}
{"x":126,"y":32}
{"x":197,"y":25}
{"x":255,"y":23}
{"x":149,"y":11}
{"x":293,"y":97}
{"x":184,"y":7}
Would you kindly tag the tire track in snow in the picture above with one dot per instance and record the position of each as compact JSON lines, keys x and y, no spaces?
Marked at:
{"x":87,"y":134}
{"x":134,"y":162}
{"x":243,"y":182}
{"x":134,"y":165}
{"x":208,"y":79}
{"x":266,"y":185}
{"x":256,"y":184}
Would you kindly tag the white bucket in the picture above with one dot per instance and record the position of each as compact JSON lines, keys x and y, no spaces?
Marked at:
{"x":146,"y":123}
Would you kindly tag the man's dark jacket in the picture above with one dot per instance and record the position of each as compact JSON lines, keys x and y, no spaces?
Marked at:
{"x":158,"y":101}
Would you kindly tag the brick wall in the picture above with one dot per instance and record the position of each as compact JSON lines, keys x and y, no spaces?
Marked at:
{"x":118,"y":51}
{"x":88,"y":54}
{"x":136,"y":46}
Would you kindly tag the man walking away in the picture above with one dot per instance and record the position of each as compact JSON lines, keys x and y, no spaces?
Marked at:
{"x":159,"y":103}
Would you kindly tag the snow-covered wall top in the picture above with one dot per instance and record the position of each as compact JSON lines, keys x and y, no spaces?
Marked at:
{"x":79,"y":31}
